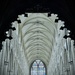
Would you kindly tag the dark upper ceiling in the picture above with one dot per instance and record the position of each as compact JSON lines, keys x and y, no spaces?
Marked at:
{"x":10,"y":9}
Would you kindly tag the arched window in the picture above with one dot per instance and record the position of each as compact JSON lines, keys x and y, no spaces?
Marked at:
{"x":38,"y":68}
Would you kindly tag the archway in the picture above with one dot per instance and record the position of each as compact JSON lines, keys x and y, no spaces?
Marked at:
{"x":38,"y":68}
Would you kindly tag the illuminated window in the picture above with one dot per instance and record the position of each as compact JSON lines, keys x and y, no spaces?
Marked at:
{"x":38,"y":68}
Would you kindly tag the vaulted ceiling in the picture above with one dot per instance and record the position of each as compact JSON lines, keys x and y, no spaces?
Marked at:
{"x":37,"y":35}
{"x":10,"y":9}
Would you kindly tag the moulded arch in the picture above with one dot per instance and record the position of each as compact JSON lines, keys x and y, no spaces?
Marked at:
{"x":32,"y":36}
{"x":37,"y":51}
{"x":43,"y":25}
{"x":42,"y":40}
{"x":35,"y":60}
{"x":38,"y":55}
{"x":32,"y":45}
{"x":39,"y":65}
{"x":41,"y":58}
{"x":38,"y":18}
{"x":38,"y":43}
{"x":42,"y":47}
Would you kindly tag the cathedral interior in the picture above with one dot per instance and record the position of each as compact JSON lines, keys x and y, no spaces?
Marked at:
{"x":37,"y":37}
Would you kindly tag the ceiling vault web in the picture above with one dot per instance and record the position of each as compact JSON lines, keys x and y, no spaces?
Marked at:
{"x":37,"y":34}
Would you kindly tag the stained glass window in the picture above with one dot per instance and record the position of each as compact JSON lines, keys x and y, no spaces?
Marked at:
{"x":38,"y":68}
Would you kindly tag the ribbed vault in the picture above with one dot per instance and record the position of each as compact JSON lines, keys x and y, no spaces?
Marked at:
{"x":37,"y":32}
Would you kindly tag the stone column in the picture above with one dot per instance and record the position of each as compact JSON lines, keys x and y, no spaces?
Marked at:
{"x":15,"y":67}
{"x":69,"y":49}
{"x":73,"y":57}
{"x":2,"y":59}
{"x":65,"y":62}
{"x":69,"y":56}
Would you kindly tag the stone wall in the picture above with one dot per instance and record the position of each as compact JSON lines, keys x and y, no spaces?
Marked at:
{"x":12,"y":58}
{"x":62,"y":61}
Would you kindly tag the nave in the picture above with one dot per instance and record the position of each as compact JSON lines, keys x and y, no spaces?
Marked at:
{"x":40,"y":46}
